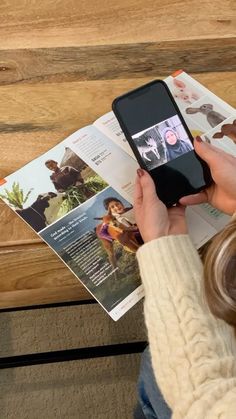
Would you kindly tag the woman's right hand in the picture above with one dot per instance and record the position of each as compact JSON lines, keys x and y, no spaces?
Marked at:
{"x":222,"y":193}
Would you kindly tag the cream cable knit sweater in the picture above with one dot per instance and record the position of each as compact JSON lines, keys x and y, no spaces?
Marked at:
{"x":193,"y":354}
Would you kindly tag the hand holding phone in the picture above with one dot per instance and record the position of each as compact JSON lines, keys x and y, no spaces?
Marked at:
{"x":222,"y":192}
{"x":161,"y":141}
{"x":154,"y":220}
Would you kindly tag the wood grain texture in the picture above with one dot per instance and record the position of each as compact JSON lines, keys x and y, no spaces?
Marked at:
{"x":55,"y":23}
{"x":31,"y":274}
{"x":41,"y":106}
{"x":41,"y":295}
{"x":45,"y":113}
{"x":61,"y":65}
{"x":38,"y":119}
{"x":103,"y":62}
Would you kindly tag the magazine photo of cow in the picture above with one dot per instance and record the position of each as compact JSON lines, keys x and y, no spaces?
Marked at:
{"x":49,"y":187}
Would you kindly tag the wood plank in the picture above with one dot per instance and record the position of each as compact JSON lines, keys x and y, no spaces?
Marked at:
{"x":31,"y":297}
{"x":13,"y":230}
{"x":33,"y":274}
{"x":61,"y":64}
{"x":47,"y":119}
{"x":102,"y":62}
{"x":38,"y":117}
{"x":18,"y":272}
{"x":53,"y":23}
{"x":45,"y":109}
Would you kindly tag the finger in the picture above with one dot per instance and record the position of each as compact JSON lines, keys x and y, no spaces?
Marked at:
{"x":148,"y":186}
{"x":234,"y":123}
{"x":212,"y":155}
{"x":206,"y":151}
{"x":195,"y":199}
{"x":138,"y":192}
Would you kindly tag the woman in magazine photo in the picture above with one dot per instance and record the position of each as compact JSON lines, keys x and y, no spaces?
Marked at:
{"x":175,"y":147}
{"x":189,"y":368}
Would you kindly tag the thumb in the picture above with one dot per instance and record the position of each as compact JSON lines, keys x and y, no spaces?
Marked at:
{"x":148,"y":186}
{"x":138,"y":192}
{"x":198,"y":198}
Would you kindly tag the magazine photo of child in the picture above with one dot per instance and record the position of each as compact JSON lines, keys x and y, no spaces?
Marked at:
{"x":98,"y":241}
{"x":118,"y":227}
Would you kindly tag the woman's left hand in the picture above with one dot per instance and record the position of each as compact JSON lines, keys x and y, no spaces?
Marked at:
{"x":154,"y":220}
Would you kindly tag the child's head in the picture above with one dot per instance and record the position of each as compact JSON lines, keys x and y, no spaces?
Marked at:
{"x":113,"y":205}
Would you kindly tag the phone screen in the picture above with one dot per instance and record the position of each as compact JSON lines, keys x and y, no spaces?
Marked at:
{"x":161,"y":141}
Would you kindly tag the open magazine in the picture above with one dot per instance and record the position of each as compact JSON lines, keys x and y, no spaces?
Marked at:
{"x":78,"y":196}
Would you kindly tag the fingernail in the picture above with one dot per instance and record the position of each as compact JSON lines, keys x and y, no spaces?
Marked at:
{"x":140,"y":172}
{"x":198,"y":139}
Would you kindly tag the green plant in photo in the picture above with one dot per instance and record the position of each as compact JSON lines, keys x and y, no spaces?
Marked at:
{"x":16,"y":197}
{"x":76,"y":195}
{"x":95,"y":184}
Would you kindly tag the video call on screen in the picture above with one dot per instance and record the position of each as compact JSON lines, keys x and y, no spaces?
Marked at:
{"x":162,"y":142}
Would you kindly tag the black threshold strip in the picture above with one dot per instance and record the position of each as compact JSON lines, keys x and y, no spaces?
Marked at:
{"x":50,"y":305}
{"x":72,"y":354}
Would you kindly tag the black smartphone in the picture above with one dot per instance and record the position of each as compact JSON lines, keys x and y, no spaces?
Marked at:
{"x":161,"y":141}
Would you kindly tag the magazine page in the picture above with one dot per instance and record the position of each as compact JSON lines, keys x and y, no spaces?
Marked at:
{"x":109,"y":126}
{"x":78,"y":196}
{"x":87,"y":223}
{"x":119,"y":170}
{"x":210,"y":117}
{"x":106,"y":158}
{"x":205,"y":114}
{"x":204,"y":222}
{"x":214,"y":120}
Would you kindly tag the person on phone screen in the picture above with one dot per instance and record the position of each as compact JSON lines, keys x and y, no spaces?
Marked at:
{"x":175,"y":147}
{"x":190,"y":308}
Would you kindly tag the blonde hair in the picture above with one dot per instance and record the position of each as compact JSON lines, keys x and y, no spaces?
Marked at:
{"x":220,"y":274}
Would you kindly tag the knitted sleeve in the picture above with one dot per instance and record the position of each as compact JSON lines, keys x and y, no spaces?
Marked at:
{"x":193,"y":353}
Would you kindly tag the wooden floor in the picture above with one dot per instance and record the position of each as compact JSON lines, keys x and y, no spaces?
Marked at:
{"x":61,"y":64}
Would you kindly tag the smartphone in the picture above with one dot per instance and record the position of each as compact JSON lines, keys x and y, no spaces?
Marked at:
{"x":161,"y":141}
